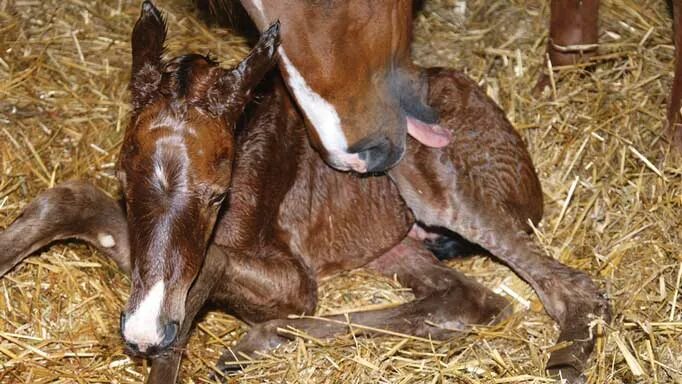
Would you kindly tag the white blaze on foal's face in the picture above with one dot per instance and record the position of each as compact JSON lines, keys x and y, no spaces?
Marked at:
{"x":142,"y":325}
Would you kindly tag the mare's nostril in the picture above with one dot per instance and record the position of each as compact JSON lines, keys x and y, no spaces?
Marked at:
{"x":382,"y":156}
{"x":170,"y":332}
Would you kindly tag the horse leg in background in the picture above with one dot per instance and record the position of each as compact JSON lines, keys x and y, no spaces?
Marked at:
{"x":573,"y":33}
{"x":483,"y":186}
{"x":446,"y":303}
{"x":74,"y":209}
{"x":674,"y":118}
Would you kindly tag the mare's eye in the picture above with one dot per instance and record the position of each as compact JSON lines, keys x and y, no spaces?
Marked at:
{"x":218,"y":199}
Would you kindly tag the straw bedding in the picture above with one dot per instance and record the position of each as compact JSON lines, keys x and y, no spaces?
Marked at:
{"x":613,"y":198}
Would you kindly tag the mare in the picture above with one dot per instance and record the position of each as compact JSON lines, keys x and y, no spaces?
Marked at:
{"x":249,"y":217}
{"x":348,"y":65}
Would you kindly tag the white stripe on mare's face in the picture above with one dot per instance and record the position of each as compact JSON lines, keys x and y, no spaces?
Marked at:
{"x":142,"y":326}
{"x":319,"y":112}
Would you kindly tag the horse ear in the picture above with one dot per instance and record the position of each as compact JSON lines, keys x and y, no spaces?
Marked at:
{"x":234,"y":88}
{"x":148,"y":38}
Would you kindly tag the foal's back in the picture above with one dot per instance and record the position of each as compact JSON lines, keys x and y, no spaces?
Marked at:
{"x":283,"y":190}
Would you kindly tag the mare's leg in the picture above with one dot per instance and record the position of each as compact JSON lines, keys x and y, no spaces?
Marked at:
{"x":73,"y":209}
{"x":674,"y":118}
{"x":447,"y":302}
{"x":573,"y":33}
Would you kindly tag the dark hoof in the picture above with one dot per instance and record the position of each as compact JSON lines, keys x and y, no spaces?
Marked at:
{"x":569,"y":363}
{"x":261,"y":337}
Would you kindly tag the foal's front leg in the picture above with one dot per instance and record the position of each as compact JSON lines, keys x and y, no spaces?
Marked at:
{"x":74,"y":209}
{"x":447,"y":303}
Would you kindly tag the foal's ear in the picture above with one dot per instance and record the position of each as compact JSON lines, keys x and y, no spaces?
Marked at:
{"x":233,"y":90}
{"x":148,"y":37}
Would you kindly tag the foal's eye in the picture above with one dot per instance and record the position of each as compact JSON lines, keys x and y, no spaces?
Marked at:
{"x":218,"y":198}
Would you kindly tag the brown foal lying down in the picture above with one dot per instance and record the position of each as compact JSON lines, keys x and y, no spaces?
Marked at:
{"x":249,"y":217}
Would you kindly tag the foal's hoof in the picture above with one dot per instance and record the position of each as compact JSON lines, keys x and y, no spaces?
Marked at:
{"x":261,"y":337}
{"x":495,"y":309}
{"x":569,"y":363}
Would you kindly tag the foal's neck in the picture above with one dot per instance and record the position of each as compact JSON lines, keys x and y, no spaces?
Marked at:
{"x":269,"y":156}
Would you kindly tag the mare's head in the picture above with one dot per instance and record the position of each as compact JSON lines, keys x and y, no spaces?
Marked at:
{"x":175,"y":169}
{"x":347,"y":63}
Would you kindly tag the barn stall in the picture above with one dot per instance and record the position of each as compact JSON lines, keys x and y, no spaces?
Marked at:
{"x":613,"y":198}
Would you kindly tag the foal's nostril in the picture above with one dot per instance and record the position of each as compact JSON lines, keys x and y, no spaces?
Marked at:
{"x":168,"y":335}
{"x":170,"y":332}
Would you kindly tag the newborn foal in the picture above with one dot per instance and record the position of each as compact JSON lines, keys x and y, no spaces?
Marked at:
{"x":289,"y":219}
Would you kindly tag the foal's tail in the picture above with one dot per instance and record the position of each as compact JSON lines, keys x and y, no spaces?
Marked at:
{"x":74,"y":209}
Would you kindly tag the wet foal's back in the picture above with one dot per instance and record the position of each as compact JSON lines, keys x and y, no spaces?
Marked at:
{"x":283,"y":190}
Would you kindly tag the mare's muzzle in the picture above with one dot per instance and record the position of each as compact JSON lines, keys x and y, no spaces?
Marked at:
{"x":379,"y":153}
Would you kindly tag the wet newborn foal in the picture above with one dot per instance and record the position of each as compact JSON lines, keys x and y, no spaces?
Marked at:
{"x":248,"y":216}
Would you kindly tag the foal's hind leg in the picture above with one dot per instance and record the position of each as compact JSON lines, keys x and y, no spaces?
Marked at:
{"x":417,"y":268}
{"x":483,"y":186}
{"x":569,"y":295}
{"x":447,"y":302}
{"x":74,"y":209}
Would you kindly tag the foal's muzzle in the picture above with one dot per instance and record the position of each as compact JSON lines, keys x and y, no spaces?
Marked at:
{"x":169,"y":335}
{"x":379,"y":153}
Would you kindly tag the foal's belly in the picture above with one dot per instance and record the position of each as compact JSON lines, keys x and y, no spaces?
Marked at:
{"x":339,"y":221}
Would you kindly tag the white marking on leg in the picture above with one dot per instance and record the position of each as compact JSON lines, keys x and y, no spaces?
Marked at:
{"x":319,"y":112}
{"x":141,"y":327}
{"x":106,"y":240}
